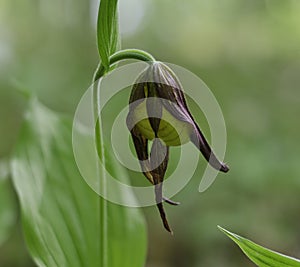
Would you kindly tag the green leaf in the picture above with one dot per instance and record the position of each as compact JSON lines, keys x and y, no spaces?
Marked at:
{"x":261,"y":256}
{"x":8,"y":208}
{"x":107,"y":30}
{"x":61,"y":215}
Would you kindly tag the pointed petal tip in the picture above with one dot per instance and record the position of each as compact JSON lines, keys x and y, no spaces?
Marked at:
{"x":224,"y":168}
{"x":167,"y":227}
{"x":171,"y":202}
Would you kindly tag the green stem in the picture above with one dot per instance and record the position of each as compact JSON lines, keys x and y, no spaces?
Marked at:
{"x":123,"y":55}
{"x":100,"y":72}
{"x":101,"y":176}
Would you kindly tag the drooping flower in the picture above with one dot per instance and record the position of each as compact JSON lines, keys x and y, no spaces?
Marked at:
{"x":158,"y":111}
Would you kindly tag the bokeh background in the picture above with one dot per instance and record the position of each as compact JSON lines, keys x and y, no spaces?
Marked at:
{"x":247,"y":52}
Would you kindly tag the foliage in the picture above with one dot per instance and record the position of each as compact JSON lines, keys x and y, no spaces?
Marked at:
{"x":261,"y":256}
{"x":60,"y":213}
{"x":107,"y":30}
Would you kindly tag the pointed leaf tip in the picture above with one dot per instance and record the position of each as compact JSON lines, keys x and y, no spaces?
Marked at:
{"x":107,"y":30}
{"x":261,"y":256}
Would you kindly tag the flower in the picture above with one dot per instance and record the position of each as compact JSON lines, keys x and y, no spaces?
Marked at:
{"x":158,"y":112}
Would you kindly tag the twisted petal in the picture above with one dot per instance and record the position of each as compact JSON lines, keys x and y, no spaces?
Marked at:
{"x":159,"y":161}
{"x":154,"y":168}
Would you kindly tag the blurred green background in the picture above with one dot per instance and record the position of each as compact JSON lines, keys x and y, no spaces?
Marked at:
{"x":247,"y":52}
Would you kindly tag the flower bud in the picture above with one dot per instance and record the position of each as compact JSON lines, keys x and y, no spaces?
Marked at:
{"x":158,"y":111}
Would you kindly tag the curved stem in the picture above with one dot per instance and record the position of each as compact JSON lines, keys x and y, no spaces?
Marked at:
{"x":100,"y":72}
{"x":123,"y":55}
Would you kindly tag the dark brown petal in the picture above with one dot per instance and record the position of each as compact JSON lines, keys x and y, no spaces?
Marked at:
{"x":137,"y":93}
{"x":171,"y":202}
{"x":141,"y":147}
{"x":161,"y":210}
{"x":196,"y":136}
{"x":154,"y":107}
{"x":159,"y":160}
{"x":173,"y":105}
{"x":200,"y":142}
{"x":167,"y":77}
{"x":177,"y":106}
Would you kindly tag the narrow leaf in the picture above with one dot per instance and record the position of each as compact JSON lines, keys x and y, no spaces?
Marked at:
{"x":107,"y":30}
{"x":261,"y":256}
{"x":60,"y":213}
